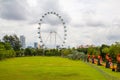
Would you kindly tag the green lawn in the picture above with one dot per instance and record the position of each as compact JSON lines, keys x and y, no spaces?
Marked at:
{"x":48,"y":68}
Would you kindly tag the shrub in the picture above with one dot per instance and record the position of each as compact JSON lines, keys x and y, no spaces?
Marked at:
{"x":76,"y":55}
{"x":66,"y":52}
{"x":19,"y":53}
{"x":6,"y":54}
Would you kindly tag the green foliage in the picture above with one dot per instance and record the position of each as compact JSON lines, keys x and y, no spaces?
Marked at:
{"x":2,"y":46}
{"x":114,"y":50}
{"x":102,"y":52}
{"x":48,"y":68}
{"x":77,"y":55}
{"x":19,"y":53}
{"x":32,"y":52}
{"x":6,"y":54}
{"x":6,"y":51}
{"x":52,"y":52}
{"x":39,"y":52}
{"x":28,"y":52}
{"x":82,"y":50}
{"x":13,"y":40}
{"x":65,"y":52}
{"x":105,"y":50}
{"x":93,"y":50}
{"x":7,"y":46}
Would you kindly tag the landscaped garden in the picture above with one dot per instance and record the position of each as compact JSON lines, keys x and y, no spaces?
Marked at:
{"x":50,"y":68}
{"x":83,"y":63}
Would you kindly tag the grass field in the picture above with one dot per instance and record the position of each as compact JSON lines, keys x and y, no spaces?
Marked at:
{"x":48,"y":68}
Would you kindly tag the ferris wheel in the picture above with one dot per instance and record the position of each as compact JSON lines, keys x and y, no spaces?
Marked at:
{"x":58,"y":35}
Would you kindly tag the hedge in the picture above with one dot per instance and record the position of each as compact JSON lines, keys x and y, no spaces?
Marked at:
{"x":6,"y":54}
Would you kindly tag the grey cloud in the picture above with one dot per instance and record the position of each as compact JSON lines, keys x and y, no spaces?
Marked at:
{"x":91,"y":24}
{"x":116,"y":22}
{"x":54,"y":20}
{"x":113,"y":37}
{"x":12,"y":10}
{"x":51,"y":6}
{"x":19,"y":10}
{"x":95,"y":24}
{"x":78,"y":25}
{"x":54,"y":6}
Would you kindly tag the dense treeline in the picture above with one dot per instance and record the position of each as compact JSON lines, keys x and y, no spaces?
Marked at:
{"x":6,"y":51}
{"x":43,"y":52}
{"x":10,"y":47}
{"x":112,"y":50}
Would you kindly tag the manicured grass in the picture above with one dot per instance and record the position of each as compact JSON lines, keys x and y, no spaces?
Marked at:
{"x":47,"y":68}
{"x":109,"y":72}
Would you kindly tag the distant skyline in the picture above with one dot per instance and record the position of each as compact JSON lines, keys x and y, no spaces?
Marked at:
{"x":88,"y":21}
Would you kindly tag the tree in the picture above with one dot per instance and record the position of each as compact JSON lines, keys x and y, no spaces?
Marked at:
{"x":28,"y":52}
{"x":65,"y":52}
{"x":92,"y":50}
{"x":103,"y":52}
{"x":7,"y":46}
{"x":13,"y":40}
{"x":82,"y":50}
{"x":114,"y":50}
{"x":2,"y":47}
{"x":6,"y":51}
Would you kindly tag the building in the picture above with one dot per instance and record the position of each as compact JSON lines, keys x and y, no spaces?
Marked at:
{"x":35,"y":45}
{"x":22,"y":41}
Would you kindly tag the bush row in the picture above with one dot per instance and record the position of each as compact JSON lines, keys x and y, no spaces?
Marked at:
{"x":6,"y":54}
{"x":45,"y":52}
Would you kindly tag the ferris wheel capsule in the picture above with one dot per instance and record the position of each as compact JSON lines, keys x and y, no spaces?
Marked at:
{"x":57,"y":14}
{"x":63,"y":23}
{"x":48,"y":12}
{"x":45,"y":14}
{"x":65,"y":34}
{"x":54,"y":12}
{"x":40,"y":19}
{"x":64,"y":26}
{"x":41,"y":41}
{"x":39,"y":36}
{"x":38,"y":27}
{"x":63,"y":41}
{"x":64,"y":38}
{"x":38,"y":32}
{"x":65,"y":30}
{"x":61,"y":19}
{"x":39,"y":23}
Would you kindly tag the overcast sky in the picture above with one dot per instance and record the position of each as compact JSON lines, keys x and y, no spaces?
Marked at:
{"x":88,"y":21}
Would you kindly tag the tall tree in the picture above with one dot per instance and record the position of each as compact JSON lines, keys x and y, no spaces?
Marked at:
{"x":103,"y":49}
{"x":13,"y":40}
{"x":114,"y":50}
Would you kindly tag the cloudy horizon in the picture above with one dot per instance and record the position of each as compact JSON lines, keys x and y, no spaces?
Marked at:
{"x":88,"y":21}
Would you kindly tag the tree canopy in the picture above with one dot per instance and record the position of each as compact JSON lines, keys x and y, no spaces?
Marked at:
{"x":13,"y":40}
